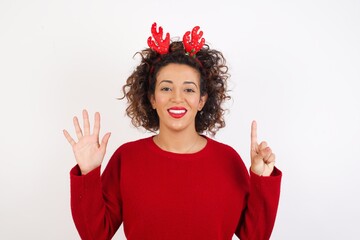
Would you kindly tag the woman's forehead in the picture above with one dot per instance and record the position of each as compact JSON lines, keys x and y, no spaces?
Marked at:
{"x":176,"y":71}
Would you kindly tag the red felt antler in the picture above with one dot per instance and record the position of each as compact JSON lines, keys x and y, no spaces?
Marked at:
{"x":193,"y":46}
{"x":159,"y":45}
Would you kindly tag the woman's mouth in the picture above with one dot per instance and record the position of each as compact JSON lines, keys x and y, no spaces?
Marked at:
{"x":177,"y":112}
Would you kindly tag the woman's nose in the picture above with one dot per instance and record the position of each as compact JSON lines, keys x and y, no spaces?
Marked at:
{"x":177,"y":96}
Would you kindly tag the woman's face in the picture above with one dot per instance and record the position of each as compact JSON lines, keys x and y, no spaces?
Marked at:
{"x":177,"y":97}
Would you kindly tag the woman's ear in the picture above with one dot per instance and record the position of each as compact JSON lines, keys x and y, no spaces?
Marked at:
{"x":202,"y":102}
{"x":152,"y":100}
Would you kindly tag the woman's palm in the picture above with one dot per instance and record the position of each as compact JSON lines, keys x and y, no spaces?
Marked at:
{"x":89,"y":153}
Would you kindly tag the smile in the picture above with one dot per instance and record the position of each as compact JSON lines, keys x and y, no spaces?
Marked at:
{"x":177,"y":112}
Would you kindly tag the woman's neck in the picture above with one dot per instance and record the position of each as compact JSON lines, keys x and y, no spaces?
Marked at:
{"x":180,"y":142}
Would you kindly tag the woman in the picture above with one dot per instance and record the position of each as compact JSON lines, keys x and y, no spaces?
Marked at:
{"x":177,"y":184}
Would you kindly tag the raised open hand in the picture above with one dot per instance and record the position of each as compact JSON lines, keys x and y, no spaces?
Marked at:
{"x":89,"y":154}
{"x":262,"y":157}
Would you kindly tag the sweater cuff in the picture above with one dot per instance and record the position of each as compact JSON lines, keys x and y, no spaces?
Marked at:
{"x":275,"y":173}
{"x":273,"y":179}
{"x":76,"y":171}
{"x":80,"y":184}
{"x":272,"y":182}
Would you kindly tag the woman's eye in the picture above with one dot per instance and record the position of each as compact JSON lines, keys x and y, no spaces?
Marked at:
{"x":165,"y":89}
{"x":189,"y":90}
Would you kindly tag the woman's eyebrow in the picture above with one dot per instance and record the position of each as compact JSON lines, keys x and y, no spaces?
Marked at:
{"x":171,"y":82}
{"x":166,"y":81}
{"x":190,"y":82}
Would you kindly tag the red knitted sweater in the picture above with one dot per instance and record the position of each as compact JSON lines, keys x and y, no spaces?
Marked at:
{"x":161,"y":195}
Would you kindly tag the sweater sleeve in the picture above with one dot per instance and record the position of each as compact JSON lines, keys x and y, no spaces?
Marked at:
{"x":96,"y":201}
{"x":259,"y":215}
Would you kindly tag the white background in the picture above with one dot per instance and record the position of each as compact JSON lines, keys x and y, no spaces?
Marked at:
{"x":295,"y":68}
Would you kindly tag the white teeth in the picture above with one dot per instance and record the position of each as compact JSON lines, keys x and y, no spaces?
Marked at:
{"x":177,"y":111}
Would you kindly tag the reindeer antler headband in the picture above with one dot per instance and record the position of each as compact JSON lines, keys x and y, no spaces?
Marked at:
{"x":192,"y":45}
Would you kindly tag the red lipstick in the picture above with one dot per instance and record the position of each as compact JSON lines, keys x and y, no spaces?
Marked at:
{"x":177,"y":112}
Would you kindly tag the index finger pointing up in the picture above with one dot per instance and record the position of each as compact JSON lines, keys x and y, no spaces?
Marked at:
{"x":253,"y":135}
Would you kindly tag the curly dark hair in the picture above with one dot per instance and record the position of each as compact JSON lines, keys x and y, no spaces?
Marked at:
{"x":140,"y":85}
